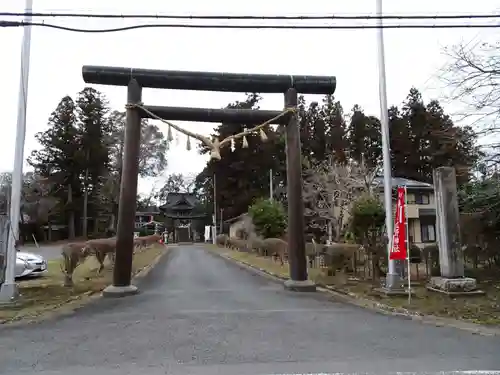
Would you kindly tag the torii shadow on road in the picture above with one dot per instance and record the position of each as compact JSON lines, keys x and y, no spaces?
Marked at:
{"x":136,"y":79}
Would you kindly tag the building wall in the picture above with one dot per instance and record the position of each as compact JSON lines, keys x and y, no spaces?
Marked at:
{"x":233,"y":228}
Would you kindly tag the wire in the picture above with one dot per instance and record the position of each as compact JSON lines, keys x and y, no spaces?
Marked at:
{"x":193,"y":17}
{"x":275,"y":27}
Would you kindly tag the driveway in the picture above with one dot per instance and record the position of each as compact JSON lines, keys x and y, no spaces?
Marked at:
{"x":49,"y":252}
{"x":199,"y":314}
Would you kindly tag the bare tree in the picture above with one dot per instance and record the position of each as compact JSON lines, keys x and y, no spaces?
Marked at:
{"x":153,"y":148}
{"x":473,"y":78}
{"x":177,"y":183}
{"x":38,"y":201}
{"x":329,"y":190}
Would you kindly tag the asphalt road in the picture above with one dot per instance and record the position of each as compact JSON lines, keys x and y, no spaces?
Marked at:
{"x":199,"y":314}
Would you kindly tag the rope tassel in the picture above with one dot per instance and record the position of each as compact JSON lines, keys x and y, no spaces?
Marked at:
{"x":215,"y":152}
{"x":188,"y":143}
{"x":244,"y":144}
{"x":170,"y":137}
{"x":263,"y":136}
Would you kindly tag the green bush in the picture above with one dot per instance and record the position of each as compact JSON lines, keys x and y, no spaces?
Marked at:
{"x":269,"y":218}
{"x":367,"y":215}
{"x":367,"y":224}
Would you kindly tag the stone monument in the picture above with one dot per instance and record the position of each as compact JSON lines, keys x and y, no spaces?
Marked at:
{"x":452,"y":279}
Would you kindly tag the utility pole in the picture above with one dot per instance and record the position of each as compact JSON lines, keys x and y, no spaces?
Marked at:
{"x":392,"y":276}
{"x":8,"y":290}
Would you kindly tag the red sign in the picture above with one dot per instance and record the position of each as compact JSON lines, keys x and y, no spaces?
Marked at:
{"x":398,"y":249}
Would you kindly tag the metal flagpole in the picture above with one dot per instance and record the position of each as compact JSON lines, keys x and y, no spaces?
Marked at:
{"x":392,"y":276}
{"x":8,"y":291}
{"x":408,"y":250}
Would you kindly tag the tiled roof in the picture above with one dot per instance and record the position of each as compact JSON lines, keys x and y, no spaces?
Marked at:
{"x":400,"y":181}
{"x":174,"y":199}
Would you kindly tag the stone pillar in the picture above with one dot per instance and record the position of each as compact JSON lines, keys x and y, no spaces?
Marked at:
{"x":447,"y":221}
{"x":452,"y":278}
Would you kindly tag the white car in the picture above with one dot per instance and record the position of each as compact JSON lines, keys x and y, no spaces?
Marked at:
{"x":29,"y":264}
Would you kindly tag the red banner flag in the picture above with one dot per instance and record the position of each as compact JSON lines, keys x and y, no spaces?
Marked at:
{"x":398,"y":249}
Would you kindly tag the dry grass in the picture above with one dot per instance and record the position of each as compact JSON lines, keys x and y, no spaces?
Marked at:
{"x":477,"y":309}
{"x":47,"y":293}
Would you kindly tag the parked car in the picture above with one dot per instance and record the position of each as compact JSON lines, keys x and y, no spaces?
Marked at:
{"x":29,"y":264}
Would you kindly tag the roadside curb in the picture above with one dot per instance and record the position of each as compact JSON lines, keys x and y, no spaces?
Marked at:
{"x":147,"y":269}
{"x":353,"y":299}
{"x":69,"y":308}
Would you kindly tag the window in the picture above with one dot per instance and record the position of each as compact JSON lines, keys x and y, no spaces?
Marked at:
{"x":428,"y":232}
{"x":422,"y":198}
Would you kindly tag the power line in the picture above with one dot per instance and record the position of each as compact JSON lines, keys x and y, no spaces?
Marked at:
{"x":227,"y":17}
{"x":274,"y":27}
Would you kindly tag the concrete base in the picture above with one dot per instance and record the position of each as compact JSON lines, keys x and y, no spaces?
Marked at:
{"x":393,"y":282}
{"x":8,"y":293}
{"x":119,"y":291}
{"x":392,"y":285}
{"x":300,"y":286}
{"x":454,"y":286}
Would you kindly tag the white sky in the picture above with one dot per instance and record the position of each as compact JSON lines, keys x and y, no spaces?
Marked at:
{"x":412,"y":57}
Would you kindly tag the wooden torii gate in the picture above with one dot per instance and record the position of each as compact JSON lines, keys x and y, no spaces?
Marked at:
{"x":137,"y":79}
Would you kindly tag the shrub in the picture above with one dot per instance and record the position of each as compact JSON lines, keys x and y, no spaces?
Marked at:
{"x":367,"y":215}
{"x":268,"y":218}
{"x":367,"y":224}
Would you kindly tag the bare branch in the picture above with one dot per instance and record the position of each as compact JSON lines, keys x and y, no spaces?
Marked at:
{"x":330,"y":188}
{"x":473,"y":80}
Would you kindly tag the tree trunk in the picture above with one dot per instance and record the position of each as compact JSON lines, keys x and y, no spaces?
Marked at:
{"x":96,"y":224}
{"x":340,"y":224}
{"x":71,"y":214}
{"x":85,"y":204}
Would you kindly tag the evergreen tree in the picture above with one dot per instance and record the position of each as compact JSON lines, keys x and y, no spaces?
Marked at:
{"x":401,"y":143}
{"x":59,"y":159}
{"x":95,"y":137}
{"x":423,"y":138}
{"x":335,"y":134}
{"x":242,"y":175}
{"x":364,"y":138}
